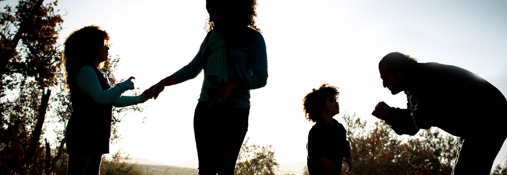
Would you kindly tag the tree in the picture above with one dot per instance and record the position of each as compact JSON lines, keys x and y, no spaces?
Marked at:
{"x":29,"y":57}
{"x":256,"y":160}
{"x":380,"y":151}
{"x":31,"y":69}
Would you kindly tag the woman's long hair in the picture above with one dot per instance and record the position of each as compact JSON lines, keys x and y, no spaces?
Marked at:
{"x":237,"y":14}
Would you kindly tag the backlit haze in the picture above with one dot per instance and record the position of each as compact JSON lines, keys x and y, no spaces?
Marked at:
{"x":309,"y":42}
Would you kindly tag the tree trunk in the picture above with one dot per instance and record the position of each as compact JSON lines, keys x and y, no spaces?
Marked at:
{"x":48,"y":157}
{"x":59,"y":154}
{"x":34,"y":142}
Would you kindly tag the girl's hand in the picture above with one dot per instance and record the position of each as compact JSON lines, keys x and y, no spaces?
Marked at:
{"x":130,"y":79}
{"x":328,"y":164}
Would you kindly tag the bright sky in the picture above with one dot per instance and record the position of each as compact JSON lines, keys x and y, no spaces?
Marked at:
{"x":308,"y":43}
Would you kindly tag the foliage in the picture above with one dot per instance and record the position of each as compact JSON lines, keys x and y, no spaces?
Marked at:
{"x":37,"y":29}
{"x":256,"y":160}
{"x":305,"y":171}
{"x":29,"y":58}
{"x":118,"y":165}
{"x":501,"y":170}
{"x":381,"y":151}
{"x":33,"y":93}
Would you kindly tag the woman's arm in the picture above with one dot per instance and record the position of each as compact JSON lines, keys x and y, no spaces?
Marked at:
{"x":259,"y":63}
{"x":156,"y":89}
{"x":191,"y":70}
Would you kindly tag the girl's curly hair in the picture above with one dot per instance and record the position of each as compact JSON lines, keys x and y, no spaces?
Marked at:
{"x":315,"y":101}
{"x":81,"y":48}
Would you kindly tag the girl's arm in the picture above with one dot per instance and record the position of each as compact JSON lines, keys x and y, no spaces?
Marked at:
{"x":129,"y":100}
{"x":88,"y":81}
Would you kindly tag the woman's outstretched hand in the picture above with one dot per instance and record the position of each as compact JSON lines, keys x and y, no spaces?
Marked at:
{"x":154,"y":90}
{"x":147,"y":95}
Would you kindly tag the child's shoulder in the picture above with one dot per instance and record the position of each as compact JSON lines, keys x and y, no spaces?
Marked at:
{"x":339,"y":125}
{"x":318,"y":126}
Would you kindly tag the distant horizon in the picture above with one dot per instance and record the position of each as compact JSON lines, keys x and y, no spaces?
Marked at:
{"x":291,"y":167}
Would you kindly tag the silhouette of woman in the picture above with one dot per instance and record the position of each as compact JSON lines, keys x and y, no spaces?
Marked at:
{"x":233,"y":57}
{"x":89,"y":127}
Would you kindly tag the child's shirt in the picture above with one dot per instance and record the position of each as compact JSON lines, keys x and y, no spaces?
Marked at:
{"x":92,"y":97}
{"x":88,"y":81}
{"x":328,"y":141}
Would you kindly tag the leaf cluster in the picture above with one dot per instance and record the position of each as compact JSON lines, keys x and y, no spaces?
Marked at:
{"x":29,"y":59}
{"x":118,"y":165}
{"x":380,"y":151}
{"x":256,"y":160}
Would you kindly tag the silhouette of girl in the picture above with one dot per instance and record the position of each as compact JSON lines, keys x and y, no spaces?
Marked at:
{"x":233,"y":57}
{"x":89,"y":127}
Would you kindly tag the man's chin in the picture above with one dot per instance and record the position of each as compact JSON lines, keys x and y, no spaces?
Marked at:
{"x":394,"y":92}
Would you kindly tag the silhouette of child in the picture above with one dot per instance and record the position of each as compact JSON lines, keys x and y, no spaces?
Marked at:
{"x":327,"y":143}
{"x":89,"y":127}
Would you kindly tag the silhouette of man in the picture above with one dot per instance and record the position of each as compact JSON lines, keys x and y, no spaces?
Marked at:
{"x":450,"y":98}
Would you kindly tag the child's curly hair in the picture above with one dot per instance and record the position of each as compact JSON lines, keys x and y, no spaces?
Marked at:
{"x":315,"y":101}
{"x":81,"y":48}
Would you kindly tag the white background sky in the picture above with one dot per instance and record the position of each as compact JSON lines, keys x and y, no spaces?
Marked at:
{"x":309,"y":42}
